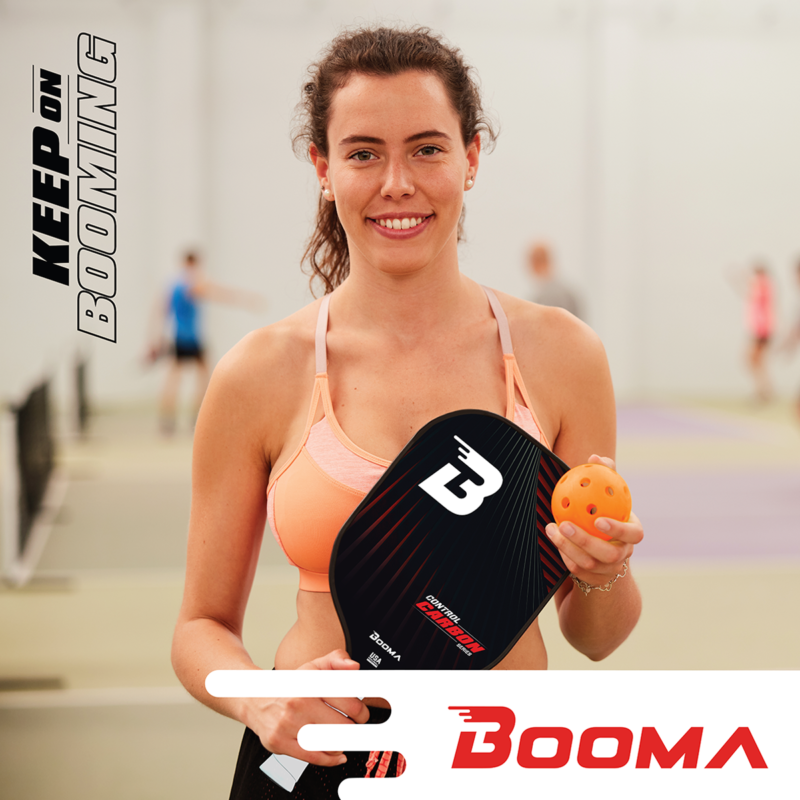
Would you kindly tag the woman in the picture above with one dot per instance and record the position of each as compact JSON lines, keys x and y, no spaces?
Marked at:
{"x":394,"y":127}
{"x":761,"y":323}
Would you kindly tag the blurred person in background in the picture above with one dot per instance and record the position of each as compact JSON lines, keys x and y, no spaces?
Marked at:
{"x":185,"y":346}
{"x":550,"y":289}
{"x":756,"y":287}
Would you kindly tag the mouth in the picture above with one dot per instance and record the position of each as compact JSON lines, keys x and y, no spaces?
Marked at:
{"x":403,"y":224}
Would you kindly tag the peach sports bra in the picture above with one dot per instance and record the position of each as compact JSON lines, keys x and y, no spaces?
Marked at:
{"x":314,"y":493}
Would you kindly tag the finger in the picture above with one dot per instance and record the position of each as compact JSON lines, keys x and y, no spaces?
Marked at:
{"x":336,"y":659}
{"x":607,"y":462}
{"x":350,"y":707}
{"x":586,"y":552}
{"x":279,"y":735}
{"x":630,"y":532}
{"x":319,"y":758}
{"x":567,"y":537}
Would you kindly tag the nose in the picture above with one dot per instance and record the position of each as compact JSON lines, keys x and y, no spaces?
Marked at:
{"x":398,"y":180}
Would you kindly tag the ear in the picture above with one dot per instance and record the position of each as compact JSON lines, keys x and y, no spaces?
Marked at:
{"x":320,"y":166}
{"x":474,"y":155}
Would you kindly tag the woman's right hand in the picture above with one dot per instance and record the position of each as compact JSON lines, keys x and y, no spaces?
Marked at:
{"x":277,"y":720}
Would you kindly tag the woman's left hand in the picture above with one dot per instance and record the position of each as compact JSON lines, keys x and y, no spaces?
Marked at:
{"x":590,"y":558}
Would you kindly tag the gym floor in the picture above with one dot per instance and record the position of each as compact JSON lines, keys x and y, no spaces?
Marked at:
{"x":90,"y":707}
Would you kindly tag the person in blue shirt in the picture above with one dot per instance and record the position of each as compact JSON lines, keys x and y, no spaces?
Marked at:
{"x":186,"y":346}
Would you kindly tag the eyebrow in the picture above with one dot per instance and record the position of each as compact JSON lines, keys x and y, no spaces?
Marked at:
{"x":358,"y":139}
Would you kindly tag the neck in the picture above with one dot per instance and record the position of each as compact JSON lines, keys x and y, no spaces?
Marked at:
{"x":405,"y":306}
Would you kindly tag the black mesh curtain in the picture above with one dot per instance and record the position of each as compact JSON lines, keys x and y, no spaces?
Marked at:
{"x":35,"y":454}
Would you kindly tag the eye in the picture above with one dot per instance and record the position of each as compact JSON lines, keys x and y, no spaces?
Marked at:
{"x":362,"y":155}
{"x":429,"y":150}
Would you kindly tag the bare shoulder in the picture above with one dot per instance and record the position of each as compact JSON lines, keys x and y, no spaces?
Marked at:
{"x":269,"y":353}
{"x":565,"y":369}
{"x":258,"y":385}
{"x":551,"y":337}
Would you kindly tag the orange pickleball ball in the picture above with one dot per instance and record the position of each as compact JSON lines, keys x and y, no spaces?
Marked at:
{"x":588,"y":492}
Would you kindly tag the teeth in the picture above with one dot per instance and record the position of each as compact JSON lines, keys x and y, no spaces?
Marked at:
{"x":401,"y":224}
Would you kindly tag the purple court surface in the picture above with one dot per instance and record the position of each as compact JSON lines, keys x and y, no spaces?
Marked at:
{"x":656,"y":421}
{"x":729,"y":512}
{"x":710,"y":515}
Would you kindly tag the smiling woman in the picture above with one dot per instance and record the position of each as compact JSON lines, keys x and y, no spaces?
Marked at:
{"x":303,"y":417}
{"x":381,"y":53}
{"x":396,"y":155}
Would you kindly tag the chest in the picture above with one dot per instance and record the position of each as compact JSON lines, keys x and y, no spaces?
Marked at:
{"x":382,"y":399}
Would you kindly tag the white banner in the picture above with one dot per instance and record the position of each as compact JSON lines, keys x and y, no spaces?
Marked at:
{"x":599,"y":734}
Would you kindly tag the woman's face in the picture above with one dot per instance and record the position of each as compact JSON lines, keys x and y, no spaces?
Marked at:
{"x":397,"y":169}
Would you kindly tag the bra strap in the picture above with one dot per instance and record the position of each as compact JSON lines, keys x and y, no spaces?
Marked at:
{"x":513,"y":375}
{"x":502,"y":322}
{"x":320,"y":348}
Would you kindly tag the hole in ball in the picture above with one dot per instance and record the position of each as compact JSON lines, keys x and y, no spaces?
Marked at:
{"x":565,"y":502}
{"x":585,"y":482}
{"x":609,"y":491}
{"x":592,"y":510}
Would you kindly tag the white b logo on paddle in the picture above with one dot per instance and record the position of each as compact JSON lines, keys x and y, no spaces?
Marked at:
{"x":436,"y":485}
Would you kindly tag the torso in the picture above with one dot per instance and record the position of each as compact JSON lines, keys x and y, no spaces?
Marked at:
{"x":760,"y":313}
{"x":380,"y":397}
{"x":184,"y":309}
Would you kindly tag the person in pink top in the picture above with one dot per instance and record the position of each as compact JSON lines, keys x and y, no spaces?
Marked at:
{"x":301,"y":417}
{"x":756,"y":288}
{"x":761,"y":322}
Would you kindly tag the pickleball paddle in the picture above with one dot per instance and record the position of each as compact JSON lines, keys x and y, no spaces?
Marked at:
{"x":445,"y":562}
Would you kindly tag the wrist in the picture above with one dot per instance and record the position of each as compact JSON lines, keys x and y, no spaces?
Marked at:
{"x":249,"y":710}
{"x":597,"y":583}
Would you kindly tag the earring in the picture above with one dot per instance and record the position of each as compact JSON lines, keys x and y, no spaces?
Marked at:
{"x":470,"y":183}
{"x":326,"y":192}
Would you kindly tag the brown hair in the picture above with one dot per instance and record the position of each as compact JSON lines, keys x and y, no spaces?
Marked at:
{"x":375,"y":51}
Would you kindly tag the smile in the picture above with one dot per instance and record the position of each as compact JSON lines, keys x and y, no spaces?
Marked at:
{"x":401,"y":227}
{"x":403,"y":224}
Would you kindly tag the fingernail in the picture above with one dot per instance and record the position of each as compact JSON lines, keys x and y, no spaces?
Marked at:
{"x":549,"y":531}
{"x":603,"y":525}
{"x":342,"y":760}
{"x":567,"y":529}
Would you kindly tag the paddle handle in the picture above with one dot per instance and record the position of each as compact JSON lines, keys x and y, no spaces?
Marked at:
{"x":285,"y":770}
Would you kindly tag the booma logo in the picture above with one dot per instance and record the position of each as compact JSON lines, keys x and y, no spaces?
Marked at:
{"x":651,"y":746}
{"x":378,"y":641}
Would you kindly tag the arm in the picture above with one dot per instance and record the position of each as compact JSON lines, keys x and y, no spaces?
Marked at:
{"x":566,"y":371}
{"x":597,"y":623}
{"x":208,"y":290}
{"x":236,"y":431}
{"x":229,"y":474}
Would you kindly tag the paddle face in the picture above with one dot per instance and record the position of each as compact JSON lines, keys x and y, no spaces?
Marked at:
{"x":445,"y":563}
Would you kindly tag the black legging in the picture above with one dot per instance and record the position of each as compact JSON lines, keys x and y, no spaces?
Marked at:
{"x":316,"y":783}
